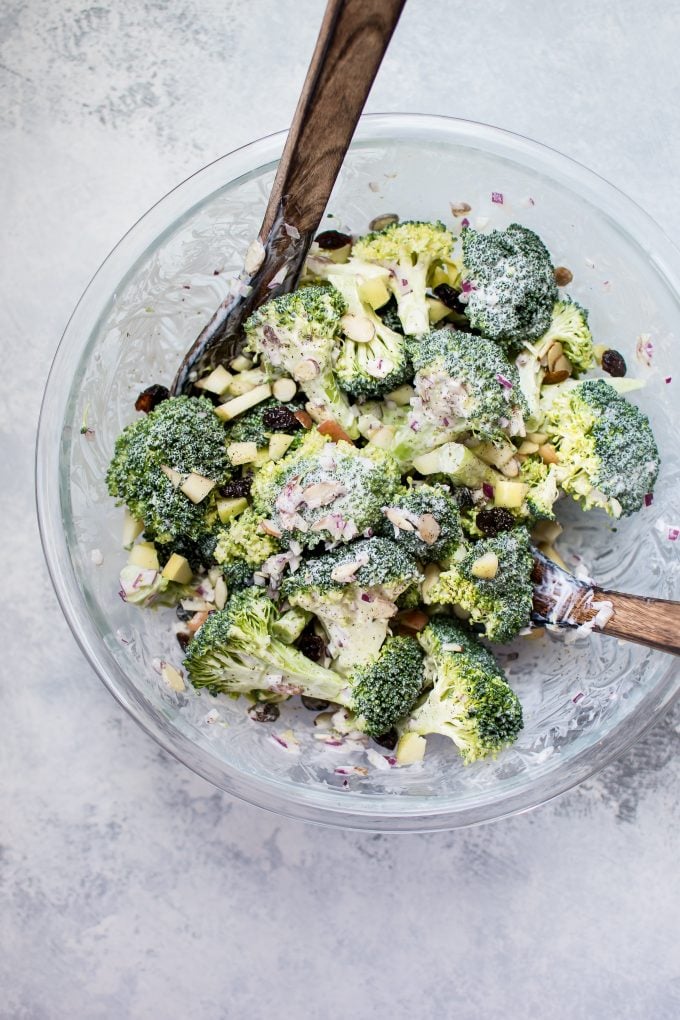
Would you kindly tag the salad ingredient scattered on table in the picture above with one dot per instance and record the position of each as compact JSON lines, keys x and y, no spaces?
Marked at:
{"x":346,"y":511}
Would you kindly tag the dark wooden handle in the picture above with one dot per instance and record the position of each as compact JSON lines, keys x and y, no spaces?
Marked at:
{"x":351,"y":44}
{"x":646,"y":621}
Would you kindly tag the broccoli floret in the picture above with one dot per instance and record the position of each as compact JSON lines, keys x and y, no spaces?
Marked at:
{"x":251,"y":427}
{"x":424,"y":520}
{"x":182,"y":435}
{"x":569,"y":326}
{"x":297,"y":334}
{"x":243,"y":540}
{"x":147,"y":588}
{"x":389,"y":314}
{"x":607,"y":454}
{"x":510,"y":284}
{"x":543,"y":489}
{"x":410,"y":250}
{"x":199,"y":553}
{"x":470,"y":701}
{"x":329,"y":492}
{"x":409,"y":599}
{"x":463,"y":383}
{"x":385,"y":689}
{"x":491,"y":581}
{"x":238,"y":575}
{"x":375,"y":363}
{"x":234,"y":652}
{"x":352,"y":590}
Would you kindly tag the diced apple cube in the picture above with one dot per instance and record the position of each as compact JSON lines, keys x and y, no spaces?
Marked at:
{"x":278,"y":444}
{"x":485,"y":566}
{"x":401,"y":396}
{"x":509,"y":494}
{"x":374,"y":291}
{"x":410,"y":749}
{"x":172,"y":677}
{"x":238,"y":405}
{"x":131,"y":529}
{"x":436,"y":310}
{"x":262,"y":457}
{"x":196,"y":487}
{"x":178,"y":569}
{"x":241,"y":363}
{"x":144,"y":555}
{"x":230,"y":507}
{"x":383,"y":437}
{"x":242,"y":453}
{"x":174,"y":476}
{"x":217,"y":381}
{"x":244,"y":382}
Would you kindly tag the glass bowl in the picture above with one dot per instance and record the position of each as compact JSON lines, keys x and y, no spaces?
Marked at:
{"x":584,"y":701}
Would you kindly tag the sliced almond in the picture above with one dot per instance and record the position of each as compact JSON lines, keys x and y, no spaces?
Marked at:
{"x":432,"y":572}
{"x":254,"y":257}
{"x":548,"y":453}
{"x":553,"y":378}
{"x":322,"y":493}
{"x":220,"y":593}
{"x":284,"y":390}
{"x":304,"y":418}
{"x":528,"y":447}
{"x":414,"y":620}
{"x":428,"y":529}
{"x":537,"y":437}
{"x":555,"y":351}
{"x":334,"y":431}
{"x":358,"y":328}
{"x":382,"y":221}
{"x":269,"y":528}
{"x":172,"y":677}
{"x":511,"y":468}
{"x":562,"y":365}
{"x":344,"y":572}
{"x":396,"y":517}
{"x":197,"y":621}
{"x":306,"y":370}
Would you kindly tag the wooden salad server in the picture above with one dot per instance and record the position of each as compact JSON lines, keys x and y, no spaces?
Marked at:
{"x":564,"y":601}
{"x":351,"y":44}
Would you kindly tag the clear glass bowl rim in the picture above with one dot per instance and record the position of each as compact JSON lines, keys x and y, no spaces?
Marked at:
{"x":323,"y":806}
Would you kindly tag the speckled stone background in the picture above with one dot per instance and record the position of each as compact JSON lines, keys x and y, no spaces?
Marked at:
{"x":129,"y":888}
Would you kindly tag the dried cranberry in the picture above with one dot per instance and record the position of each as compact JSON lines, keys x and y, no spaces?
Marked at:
{"x":614,"y":363}
{"x":388,"y":740}
{"x":331,"y":240}
{"x":151,"y":397}
{"x":314,"y":704}
{"x":312,"y":645}
{"x":280,"y":419}
{"x":463,"y":497}
{"x":182,"y":614}
{"x":493,"y":520}
{"x":449,"y":297}
{"x":237,"y":487}
{"x":183,"y":639}
{"x":263,"y":711}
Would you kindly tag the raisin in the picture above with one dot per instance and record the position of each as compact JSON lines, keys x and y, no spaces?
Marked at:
{"x":238,"y":487}
{"x":264,"y":711}
{"x":314,"y":704}
{"x":493,"y":520}
{"x":182,"y":614}
{"x":449,"y":297}
{"x":311,"y":645}
{"x":388,"y":740}
{"x":613,"y":363}
{"x":463,"y":497}
{"x":331,"y":240}
{"x":280,"y":419}
{"x":183,"y":639}
{"x":151,"y":397}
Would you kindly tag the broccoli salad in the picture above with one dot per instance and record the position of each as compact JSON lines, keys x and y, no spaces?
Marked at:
{"x":346,"y":512}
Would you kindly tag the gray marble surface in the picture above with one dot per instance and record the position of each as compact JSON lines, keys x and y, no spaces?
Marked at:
{"x":129,"y":888}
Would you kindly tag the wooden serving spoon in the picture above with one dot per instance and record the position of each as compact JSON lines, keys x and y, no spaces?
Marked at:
{"x":352,"y":42}
{"x":561,"y":599}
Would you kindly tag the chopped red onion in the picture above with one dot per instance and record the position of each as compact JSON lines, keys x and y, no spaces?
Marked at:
{"x":649,"y":498}
{"x":487,"y":490}
{"x":668,"y":379}
{"x":577,"y":697}
{"x":644,"y":349}
{"x":278,"y":278}
{"x":291,"y":231}
{"x":505,"y":383}
{"x":279,"y":740}
{"x":673,"y":534}
{"x":467,"y":286}
{"x":497,"y":197}
{"x":465,"y":222}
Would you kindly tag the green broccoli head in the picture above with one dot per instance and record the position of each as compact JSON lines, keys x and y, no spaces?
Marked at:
{"x":607,"y":454}
{"x":463,"y":383}
{"x":297,"y":334}
{"x":410,"y":250}
{"x":384,"y":689}
{"x":182,"y":435}
{"x":425,"y":521}
{"x":242,"y":539}
{"x":543,"y":489}
{"x":509,"y":284}
{"x":372,"y":360}
{"x":234,"y":652}
{"x":238,"y":574}
{"x":470,"y":701}
{"x":352,"y":590}
{"x":491,"y":581}
{"x":328,"y":492}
